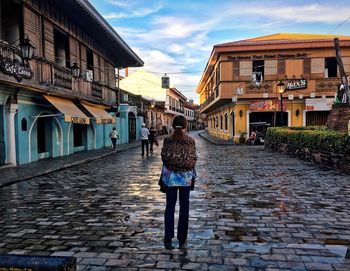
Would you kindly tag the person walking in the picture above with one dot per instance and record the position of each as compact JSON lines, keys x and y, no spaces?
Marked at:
{"x":178,"y":176}
{"x":144,"y":139}
{"x":152,"y":138}
{"x":114,"y":136}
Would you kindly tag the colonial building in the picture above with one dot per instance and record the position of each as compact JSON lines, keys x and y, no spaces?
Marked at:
{"x":281,"y":79}
{"x":54,"y":102}
{"x":190,"y":114}
{"x":174,"y":105}
{"x":170,"y":100}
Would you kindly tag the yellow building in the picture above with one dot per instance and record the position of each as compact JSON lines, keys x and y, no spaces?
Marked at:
{"x":239,"y":89}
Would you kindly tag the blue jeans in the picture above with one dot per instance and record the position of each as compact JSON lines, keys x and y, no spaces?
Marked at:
{"x":184,"y":199}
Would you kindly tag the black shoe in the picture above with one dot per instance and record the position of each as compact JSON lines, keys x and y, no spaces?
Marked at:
{"x":182,"y":246}
{"x":168,"y":245}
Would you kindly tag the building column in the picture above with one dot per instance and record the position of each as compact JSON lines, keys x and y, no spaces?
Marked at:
{"x":11,"y":135}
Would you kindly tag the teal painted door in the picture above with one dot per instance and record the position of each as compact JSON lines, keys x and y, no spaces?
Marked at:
{"x":132,"y":128}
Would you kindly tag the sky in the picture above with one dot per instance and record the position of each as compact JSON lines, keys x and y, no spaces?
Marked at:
{"x":176,"y":37}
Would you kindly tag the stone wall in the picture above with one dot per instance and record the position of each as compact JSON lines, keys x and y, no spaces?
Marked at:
{"x":333,"y":160}
{"x":339,"y":118}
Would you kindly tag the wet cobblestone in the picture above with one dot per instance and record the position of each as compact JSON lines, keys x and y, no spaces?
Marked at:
{"x":251,"y":210}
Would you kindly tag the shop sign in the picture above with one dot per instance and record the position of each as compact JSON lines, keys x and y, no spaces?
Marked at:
{"x":16,"y":69}
{"x":319,"y":104}
{"x":266,"y":106}
{"x":77,"y":120}
{"x":105,"y":121}
{"x":297,"y":84}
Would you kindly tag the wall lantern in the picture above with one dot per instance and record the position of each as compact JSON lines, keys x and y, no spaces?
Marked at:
{"x":153,"y":103}
{"x":240,"y":113}
{"x":27,"y":49}
{"x":75,"y":70}
{"x":297,"y":112}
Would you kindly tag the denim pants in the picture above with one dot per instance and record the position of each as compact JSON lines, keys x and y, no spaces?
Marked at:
{"x":184,"y":199}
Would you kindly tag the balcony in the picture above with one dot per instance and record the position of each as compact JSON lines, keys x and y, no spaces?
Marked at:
{"x":47,"y":76}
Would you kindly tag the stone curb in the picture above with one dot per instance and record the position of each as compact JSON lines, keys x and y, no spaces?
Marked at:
{"x":213,"y":141}
{"x":54,"y":169}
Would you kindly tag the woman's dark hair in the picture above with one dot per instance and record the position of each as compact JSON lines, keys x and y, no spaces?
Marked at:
{"x":179,"y":122}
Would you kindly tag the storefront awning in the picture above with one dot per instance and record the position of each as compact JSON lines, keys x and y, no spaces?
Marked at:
{"x":99,"y":112}
{"x":70,"y":111}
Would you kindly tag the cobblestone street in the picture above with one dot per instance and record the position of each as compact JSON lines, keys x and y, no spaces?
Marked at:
{"x":251,"y":210}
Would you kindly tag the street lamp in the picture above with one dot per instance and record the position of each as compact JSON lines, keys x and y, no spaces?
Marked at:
{"x":27,"y":49}
{"x":280,"y":87}
{"x":75,"y":70}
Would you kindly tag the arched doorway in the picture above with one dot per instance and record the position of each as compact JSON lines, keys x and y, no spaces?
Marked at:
{"x":45,"y":138}
{"x":232,"y":126}
{"x":132,"y":126}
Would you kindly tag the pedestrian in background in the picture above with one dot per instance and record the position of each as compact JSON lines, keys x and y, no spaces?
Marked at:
{"x":114,"y":136}
{"x":178,"y":174}
{"x":144,"y":140}
{"x":152,"y":138}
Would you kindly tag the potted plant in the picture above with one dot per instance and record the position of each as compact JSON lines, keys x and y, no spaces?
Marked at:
{"x":242,"y":138}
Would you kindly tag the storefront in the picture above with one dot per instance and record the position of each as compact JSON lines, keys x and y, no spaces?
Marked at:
{"x":317,"y":111}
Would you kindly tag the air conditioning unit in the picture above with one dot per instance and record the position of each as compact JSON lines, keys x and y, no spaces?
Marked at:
{"x":88,"y":75}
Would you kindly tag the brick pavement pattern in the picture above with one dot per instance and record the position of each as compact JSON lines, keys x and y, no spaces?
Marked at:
{"x":251,"y":210}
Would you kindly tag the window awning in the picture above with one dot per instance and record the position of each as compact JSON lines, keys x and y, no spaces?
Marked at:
{"x":70,"y":111}
{"x":99,"y":112}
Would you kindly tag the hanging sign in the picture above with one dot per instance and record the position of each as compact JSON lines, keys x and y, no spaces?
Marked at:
{"x":297,"y":84}
{"x":266,"y":106}
{"x":319,"y":104}
{"x":165,"y":81}
{"x":16,"y":69}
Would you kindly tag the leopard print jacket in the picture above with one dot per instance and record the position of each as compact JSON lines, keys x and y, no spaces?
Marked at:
{"x":179,"y":153}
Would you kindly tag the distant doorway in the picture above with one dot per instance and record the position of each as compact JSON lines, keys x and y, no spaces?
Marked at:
{"x":132,"y":126}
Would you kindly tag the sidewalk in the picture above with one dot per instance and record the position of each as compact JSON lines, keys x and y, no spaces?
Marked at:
{"x":9,"y":175}
{"x":215,"y":140}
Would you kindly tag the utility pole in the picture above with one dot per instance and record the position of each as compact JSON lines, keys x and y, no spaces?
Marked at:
{"x":343,"y":96}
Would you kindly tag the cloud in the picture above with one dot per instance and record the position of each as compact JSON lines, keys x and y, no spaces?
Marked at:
{"x":132,"y":9}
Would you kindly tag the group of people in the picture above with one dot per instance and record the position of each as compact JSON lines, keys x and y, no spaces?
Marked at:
{"x":177,"y":175}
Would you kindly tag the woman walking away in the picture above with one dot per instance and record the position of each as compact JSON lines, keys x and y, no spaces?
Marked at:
{"x":178,"y":174}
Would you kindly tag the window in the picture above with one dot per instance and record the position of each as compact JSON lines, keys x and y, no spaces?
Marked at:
{"x":24,"y":125}
{"x":226,"y":124}
{"x":216,"y":122}
{"x":61,"y":48}
{"x":258,"y":71}
{"x":221,"y":126}
{"x":330,"y":67}
{"x":218,"y":74}
{"x":90,"y":60}
{"x":10,"y":20}
{"x":316,"y":118}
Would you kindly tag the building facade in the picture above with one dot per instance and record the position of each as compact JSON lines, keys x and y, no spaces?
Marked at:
{"x":54,"y":103}
{"x":174,"y":105}
{"x":239,"y":89}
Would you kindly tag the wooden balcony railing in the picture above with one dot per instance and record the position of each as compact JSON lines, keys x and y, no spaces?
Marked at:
{"x":49,"y":77}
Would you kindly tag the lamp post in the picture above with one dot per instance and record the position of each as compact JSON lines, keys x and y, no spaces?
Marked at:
{"x":280,"y":87}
